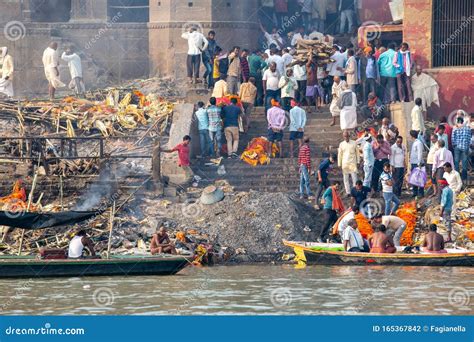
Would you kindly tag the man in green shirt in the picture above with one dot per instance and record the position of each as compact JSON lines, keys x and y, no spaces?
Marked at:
{"x":330,"y":215}
{"x":257,"y":65}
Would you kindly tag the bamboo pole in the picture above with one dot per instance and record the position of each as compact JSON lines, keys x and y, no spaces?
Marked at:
{"x":61,"y":191}
{"x":30,"y":199}
{"x":111,"y":228}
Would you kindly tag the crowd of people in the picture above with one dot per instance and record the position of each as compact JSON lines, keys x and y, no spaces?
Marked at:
{"x":366,"y":80}
{"x":355,"y":82}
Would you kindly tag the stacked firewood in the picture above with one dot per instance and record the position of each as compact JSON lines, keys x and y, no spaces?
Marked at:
{"x":77,"y":167}
{"x":306,"y":49}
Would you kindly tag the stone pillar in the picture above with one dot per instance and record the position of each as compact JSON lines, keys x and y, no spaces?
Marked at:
{"x":89,"y":10}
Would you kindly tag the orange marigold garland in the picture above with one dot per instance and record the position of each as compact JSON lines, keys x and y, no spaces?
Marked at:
{"x":364,"y":225}
{"x":408,"y":213}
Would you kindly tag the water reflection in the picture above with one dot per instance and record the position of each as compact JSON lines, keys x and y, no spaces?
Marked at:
{"x":316,"y":290}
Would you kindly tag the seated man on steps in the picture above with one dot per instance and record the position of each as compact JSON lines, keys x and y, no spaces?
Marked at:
{"x":380,"y":242}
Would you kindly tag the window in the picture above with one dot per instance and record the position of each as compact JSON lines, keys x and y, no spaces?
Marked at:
{"x":50,"y":11}
{"x":453,"y":33}
{"x":129,"y":11}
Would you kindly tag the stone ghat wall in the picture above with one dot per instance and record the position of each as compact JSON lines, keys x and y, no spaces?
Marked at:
{"x":111,"y":53}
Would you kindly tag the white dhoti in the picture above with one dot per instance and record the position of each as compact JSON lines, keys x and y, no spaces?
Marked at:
{"x":334,"y":109}
{"x":77,"y":84}
{"x":53,"y":78}
{"x":349,"y":115}
{"x":6,"y":87}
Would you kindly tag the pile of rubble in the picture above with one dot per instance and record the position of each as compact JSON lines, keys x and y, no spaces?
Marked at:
{"x":463,"y":218}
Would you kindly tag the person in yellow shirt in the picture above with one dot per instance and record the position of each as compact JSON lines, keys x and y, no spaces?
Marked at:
{"x":248,"y":93}
{"x":348,"y":159}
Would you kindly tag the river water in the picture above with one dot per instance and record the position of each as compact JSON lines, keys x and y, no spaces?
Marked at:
{"x":251,"y":290}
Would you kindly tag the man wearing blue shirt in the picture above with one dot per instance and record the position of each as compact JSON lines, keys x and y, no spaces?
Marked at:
{"x":447,"y":201}
{"x":203,"y":128}
{"x":388,"y":74}
{"x":230,"y":115}
{"x":297,"y":125}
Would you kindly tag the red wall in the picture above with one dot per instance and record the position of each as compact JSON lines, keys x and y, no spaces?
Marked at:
{"x":456,"y":84}
{"x":375,"y":10}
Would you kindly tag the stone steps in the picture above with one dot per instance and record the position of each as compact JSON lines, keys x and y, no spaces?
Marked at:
{"x":281,"y":175}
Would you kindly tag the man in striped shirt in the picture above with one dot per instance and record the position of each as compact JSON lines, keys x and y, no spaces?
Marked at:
{"x":304,"y":162}
{"x":461,"y":140}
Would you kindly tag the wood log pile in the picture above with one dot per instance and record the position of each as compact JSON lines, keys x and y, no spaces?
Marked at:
{"x":119,"y":111}
{"x":67,"y":168}
{"x":312,"y":48}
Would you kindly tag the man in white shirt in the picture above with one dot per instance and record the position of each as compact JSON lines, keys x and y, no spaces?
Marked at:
{"x":300,"y":76}
{"x":51,"y":71}
{"x":287,"y":58}
{"x":271,"y":89}
{"x":75,"y":68}
{"x":397,"y":162}
{"x":297,"y":36}
{"x":272,"y":39}
{"x":278,"y":60}
{"x":417,"y":119}
{"x":453,"y":178}
{"x":346,"y":218}
{"x":337,"y":67}
{"x":416,"y":160}
{"x":197,"y":43}
{"x":288,"y":87}
{"x":353,"y":240}
{"x":434,"y":147}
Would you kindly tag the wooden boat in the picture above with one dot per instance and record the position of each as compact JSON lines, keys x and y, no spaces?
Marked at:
{"x":32,"y":267}
{"x":313,"y":253}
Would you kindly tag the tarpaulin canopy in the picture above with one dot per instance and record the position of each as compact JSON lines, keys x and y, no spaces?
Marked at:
{"x":34,"y":221}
